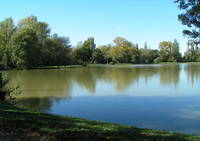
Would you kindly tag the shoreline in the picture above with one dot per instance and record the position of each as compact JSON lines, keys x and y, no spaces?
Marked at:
{"x":100,"y":65}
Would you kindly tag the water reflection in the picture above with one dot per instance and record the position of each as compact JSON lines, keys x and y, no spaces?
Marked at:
{"x":168,"y":94}
{"x":138,"y":80}
{"x":169,"y":74}
{"x":59,"y":83}
{"x":193,"y":73}
{"x":36,"y":104}
{"x":174,"y":114}
{"x":40,"y":83}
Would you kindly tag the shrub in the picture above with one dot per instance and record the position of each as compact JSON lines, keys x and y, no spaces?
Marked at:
{"x":157,"y":60}
{"x":6,"y":93}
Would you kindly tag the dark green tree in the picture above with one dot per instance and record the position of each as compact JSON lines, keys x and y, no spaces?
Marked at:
{"x":57,"y":51}
{"x":169,"y":51}
{"x":190,"y":17}
{"x":193,"y":52}
{"x":148,"y":55}
{"x":3,"y":90}
{"x":85,"y":52}
{"x":29,"y":42}
{"x":124,"y":51}
{"x":7,"y":29}
{"x":98,"y":56}
{"x":176,"y":51}
{"x":105,"y":51}
{"x":6,"y":93}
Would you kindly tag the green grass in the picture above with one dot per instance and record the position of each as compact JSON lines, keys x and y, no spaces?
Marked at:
{"x":21,"y":125}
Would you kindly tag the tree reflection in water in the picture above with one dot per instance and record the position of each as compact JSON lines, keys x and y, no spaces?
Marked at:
{"x":41,"y":87}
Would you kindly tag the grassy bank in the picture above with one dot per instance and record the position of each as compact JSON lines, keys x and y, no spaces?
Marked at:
{"x":80,"y":66}
{"x":104,"y":65}
{"x":21,"y":125}
{"x":57,"y":67}
{"x":90,"y":65}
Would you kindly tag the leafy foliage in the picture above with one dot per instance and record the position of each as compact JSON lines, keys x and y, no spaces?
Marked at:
{"x":190,"y":17}
{"x":29,"y":44}
{"x":169,"y":51}
{"x":124,"y":51}
{"x":7,"y":29}
{"x":7,"y":93}
{"x":85,"y":52}
{"x":193,"y":52}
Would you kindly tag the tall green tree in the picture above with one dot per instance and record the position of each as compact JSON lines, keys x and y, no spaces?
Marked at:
{"x":29,"y":42}
{"x":193,"y":52}
{"x":190,"y":17}
{"x":7,"y":29}
{"x":57,"y":51}
{"x":124,"y":51}
{"x":147,"y":55}
{"x":85,"y":52}
{"x":169,"y":51}
{"x":176,"y":51}
{"x":165,"y":50}
{"x":105,"y":51}
{"x":98,"y":56}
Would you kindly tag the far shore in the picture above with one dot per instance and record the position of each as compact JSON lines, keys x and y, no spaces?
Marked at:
{"x":101,"y":65}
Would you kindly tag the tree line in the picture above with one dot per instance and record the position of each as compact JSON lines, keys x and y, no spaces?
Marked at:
{"x":31,"y":44}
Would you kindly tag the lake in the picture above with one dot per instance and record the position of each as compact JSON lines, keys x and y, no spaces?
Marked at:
{"x":148,"y":96}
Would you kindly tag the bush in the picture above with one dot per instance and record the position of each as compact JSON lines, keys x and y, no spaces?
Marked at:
{"x":6,"y":93}
{"x":113,"y":63}
{"x":157,"y":60}
{"x":3,"y":83}
{"x":171,"y":59}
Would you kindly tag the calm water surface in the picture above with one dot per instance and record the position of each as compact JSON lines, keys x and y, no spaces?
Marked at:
{"x":150,"y":96}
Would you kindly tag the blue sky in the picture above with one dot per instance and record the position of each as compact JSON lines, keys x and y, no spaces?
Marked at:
{"x":139,"y":21}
